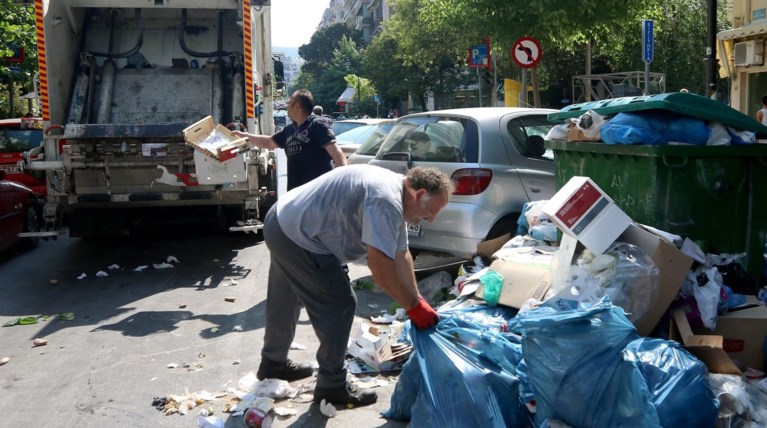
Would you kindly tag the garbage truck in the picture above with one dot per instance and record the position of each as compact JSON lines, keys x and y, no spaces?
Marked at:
{"x":120,"y":80}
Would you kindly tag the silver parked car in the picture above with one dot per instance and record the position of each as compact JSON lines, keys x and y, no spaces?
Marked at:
{"x":497,"y":159}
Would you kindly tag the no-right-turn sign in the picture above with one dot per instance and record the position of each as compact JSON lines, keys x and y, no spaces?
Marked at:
{"x":526,"y":52}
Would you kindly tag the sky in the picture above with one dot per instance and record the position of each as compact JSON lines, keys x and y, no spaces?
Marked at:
{"x":294,"y":21}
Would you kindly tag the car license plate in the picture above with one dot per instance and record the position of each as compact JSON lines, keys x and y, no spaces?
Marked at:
{"x":414,"y":229}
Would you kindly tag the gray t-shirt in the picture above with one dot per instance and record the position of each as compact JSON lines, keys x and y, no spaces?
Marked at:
{"x":344,"y":210}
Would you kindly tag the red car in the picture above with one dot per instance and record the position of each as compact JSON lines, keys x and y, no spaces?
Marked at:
{"x":16,"y":137}
{"x":19,"y":212}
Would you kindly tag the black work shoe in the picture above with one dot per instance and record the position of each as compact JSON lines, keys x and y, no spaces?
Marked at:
{"x":343,"y":395}
{"x":288,"y":370}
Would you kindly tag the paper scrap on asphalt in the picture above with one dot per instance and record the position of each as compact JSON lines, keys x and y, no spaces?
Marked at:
{"x":82,"y":275}
{"x":172,"y":259}
{"x":298,"y":346}
{"x":328,"y":409}
{"x":140,"y":268}
{"x":162,"y":265}
{"x":101,"y":274}
{"x":113,"y":267}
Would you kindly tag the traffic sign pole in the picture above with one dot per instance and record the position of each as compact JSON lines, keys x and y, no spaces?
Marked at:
{"x":648,"y":51}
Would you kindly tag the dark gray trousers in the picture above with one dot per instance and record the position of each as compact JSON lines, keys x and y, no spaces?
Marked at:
{"x":318,"y":282}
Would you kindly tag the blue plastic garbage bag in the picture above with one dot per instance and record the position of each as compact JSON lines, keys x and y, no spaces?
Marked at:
{"x":461,"y":374}
{"x":575,"y":365}
{"x":654,"y":128}
{"x":677,"y":382}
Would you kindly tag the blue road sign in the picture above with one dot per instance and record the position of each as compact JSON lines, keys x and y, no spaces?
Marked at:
{"x":377,"y":98}
{"x":648,"y":42}
{"x":478,"y":56}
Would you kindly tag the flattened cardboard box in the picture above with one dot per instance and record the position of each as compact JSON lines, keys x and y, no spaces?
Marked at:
{"x":525,"y":277}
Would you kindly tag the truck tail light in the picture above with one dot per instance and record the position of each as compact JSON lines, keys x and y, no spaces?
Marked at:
{"x":472,"y":181}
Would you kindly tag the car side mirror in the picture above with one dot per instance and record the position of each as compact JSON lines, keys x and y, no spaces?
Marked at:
{"x":400,"y":157}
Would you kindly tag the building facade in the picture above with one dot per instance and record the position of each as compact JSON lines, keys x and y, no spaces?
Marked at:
{"x":363,"y":15}
{"x":741,"y":54}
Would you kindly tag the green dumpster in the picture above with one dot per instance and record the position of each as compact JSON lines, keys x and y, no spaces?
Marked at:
{"x":714,"y":194}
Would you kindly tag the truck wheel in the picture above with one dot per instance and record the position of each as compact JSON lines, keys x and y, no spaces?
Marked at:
{"x":31,"y":224}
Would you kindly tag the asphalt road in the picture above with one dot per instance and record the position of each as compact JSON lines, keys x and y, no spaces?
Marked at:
{"x":104,"y":367}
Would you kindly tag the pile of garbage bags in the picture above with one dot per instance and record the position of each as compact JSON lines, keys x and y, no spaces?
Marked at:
{"x":559,"y":365}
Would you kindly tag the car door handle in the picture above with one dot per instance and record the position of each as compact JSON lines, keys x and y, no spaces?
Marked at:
{"x":535,"y":186}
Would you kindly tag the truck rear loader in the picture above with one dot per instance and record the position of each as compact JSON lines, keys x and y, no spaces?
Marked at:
{"x":120,"y":81}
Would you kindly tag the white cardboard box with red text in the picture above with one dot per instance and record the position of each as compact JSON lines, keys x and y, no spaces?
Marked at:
{"x":582,"y":210}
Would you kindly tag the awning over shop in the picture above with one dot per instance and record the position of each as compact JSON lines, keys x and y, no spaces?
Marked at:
{"x":741,"y":32}
{"x":346,"y":97}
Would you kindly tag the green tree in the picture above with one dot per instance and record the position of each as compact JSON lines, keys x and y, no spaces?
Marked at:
{"x":318,"y":53}
{"x":431,"y":53}
{"x":384,"y":66}
{"x":17,"y":29}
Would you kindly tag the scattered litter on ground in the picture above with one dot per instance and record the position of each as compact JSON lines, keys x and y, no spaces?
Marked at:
{"x":172,"y":365}
{"x":201,"y":355}
{"x":4,"y":361}
{"x":209,"y":422}
{"x":297,"y":346}
{"x":237,"y":328}
{"x":82,"y":276}
{"x":172,"y":259}
{"x":193,"y":367}
{"x":113,"y":267}
{"x":162,"y":265}
{"x":255,"y":417}
{"x":39,"y":342}
{"x":66,"y":316}
{"x":328,"y":409}
{"x":285,"y":412}
{"x":236,"y":362}
{"x":230,"y":282}
{"x":101,"y":274}
{"x":181,"y":306}
{"x":22,"y":321}
{"x":372,"y":306}
{"x":230,"y":299}
{"x":214,"y":330}
{"x":362,"y":284}
{"x":140,"y":268}
{"x":53,"y":282}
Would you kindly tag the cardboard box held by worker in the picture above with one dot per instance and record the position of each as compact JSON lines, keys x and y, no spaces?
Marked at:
{"x":213,"y":140}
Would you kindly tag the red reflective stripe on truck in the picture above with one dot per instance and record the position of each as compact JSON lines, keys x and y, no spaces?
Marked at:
{"x":246,"y":31}
{"x":41,"y":59}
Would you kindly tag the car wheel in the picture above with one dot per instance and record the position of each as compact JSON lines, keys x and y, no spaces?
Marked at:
{"x":505,"y":225}
{"x":31,"y":224}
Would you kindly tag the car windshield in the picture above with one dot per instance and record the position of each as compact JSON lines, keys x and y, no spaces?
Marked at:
{"x":434,"y":139}
{"x":373,"y":142}
{"x":341,"y":127}
{"x":352,"y":136}
{"x":14,"y":140}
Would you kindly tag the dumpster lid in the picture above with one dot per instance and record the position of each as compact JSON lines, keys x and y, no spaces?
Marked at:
{"x":680,"y":102}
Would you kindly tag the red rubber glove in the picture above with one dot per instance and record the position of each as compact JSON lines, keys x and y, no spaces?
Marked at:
{"x":423,"y":315}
